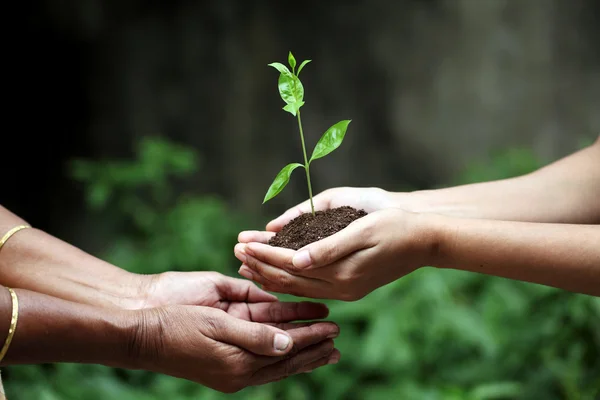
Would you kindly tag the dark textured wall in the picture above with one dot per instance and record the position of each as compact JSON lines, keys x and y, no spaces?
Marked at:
{"x":431,"y":86}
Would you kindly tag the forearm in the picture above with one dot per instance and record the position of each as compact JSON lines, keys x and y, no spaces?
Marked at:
{"x":559,"y":255}
{"x":567,"y":191}
{"x":54,"y":330}
{"x":34,"y":260}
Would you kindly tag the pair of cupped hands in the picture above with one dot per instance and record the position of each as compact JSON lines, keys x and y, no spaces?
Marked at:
{"x":371,"y":252}
{"x":247,"y":336}
{"x":345,"y":266}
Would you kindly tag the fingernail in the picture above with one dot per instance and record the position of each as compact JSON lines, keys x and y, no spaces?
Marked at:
{"x":246,"y":273}
{"x":302,"y":259}
{"x":333,"y":360}
{"x":281,"y":342}
{"x":240,"y":255}
{"x":333,"y":335}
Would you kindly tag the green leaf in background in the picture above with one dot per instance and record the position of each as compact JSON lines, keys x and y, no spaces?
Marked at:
{"x":292,"y":61}
{"x":497,"y":390}
{"x":302,"y":66}
{"x":281,"y":180}
{"x":508,"y":340}
{"x":331,"y":140}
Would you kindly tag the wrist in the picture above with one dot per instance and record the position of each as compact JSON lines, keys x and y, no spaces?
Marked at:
{"x":135,"y":292}
{"x":53,"y":330}
{"x":417,"y":201}
{"x":431,"y":237}
{"x":435,"y":201}
{"x":141,"y":331}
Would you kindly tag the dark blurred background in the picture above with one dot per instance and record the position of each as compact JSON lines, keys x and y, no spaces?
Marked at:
{"x":147,"y":133}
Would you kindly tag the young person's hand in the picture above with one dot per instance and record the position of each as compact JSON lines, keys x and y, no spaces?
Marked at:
{"x":371,"y":252}
{"x":368,"y":199}
{"x":388,"y":244}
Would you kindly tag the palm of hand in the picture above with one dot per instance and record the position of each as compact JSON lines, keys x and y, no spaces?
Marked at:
{"x":208,"y":289}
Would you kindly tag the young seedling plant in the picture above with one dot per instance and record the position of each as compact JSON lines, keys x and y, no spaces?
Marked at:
{"x":292,"y":93}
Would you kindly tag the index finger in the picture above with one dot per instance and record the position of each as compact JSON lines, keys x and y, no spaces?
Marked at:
{"x":276,"y":256}
{"x":255,"y":236}
{"x":280,"y":311}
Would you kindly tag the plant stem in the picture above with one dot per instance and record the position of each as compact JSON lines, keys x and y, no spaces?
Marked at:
{"x":306,"y":165}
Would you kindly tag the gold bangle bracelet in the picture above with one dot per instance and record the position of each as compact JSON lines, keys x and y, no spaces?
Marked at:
{"x":13,"y":323}
{"x":12,"y":232}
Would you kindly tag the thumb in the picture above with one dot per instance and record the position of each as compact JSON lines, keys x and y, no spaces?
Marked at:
{"x":257,"y":338}
{"x":332,"y":248}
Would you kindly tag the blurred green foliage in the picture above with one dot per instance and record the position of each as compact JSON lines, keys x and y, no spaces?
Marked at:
{"x":444,"y":335}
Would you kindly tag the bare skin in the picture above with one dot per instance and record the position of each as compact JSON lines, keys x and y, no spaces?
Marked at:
{"x":225,"y":351}
{"x":541,"y":228}
{"x":75,"y":307}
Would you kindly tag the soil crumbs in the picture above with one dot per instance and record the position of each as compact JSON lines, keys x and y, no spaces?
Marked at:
{"x":306,"y":228}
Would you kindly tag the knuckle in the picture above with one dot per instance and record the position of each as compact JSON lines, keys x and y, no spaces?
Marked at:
{"x":328,"y":253}
{"x":344,"y":277}
{"x":368,"y":230}
{"x":260,"y":334}
{"x":291,"y":366}
{"x":290,"y":267}
{"x":212,"y":323}
{"x":237,"y":364}
{"x":293,"y":352}
{"x":240,"y":370}
{"x":252,"y":263}
{"x":284,"y":281}
{"x":276,"y":313}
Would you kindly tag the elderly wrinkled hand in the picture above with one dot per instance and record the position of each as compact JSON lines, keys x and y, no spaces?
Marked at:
{"x":211,"y":347}
{"x":228,"y":334}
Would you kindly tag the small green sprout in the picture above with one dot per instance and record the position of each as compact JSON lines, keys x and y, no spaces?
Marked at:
{"x":292,"y":93}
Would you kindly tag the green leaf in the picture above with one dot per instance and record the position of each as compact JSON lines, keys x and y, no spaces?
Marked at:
{"x":292,"y":61}
{"x":499,"y":390}
{"x":281,"y":68}
{"x":98,"y":196}
{"x":293,"y":108}
{"x":302,"y":66}
{"x":281,"y":180}
{"x":290,"y":89}
{"x":331,"y":140}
